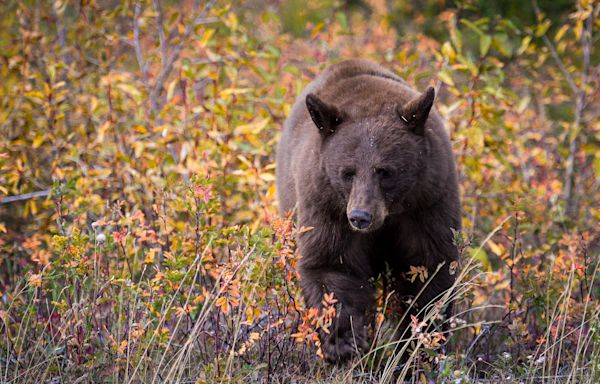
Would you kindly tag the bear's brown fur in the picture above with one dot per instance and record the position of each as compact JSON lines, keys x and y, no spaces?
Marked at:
{"x":366,"y":162}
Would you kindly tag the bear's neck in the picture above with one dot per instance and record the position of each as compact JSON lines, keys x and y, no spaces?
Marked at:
{"x":437,"y":180}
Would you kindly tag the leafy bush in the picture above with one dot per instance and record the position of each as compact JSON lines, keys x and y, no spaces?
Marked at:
{"x":140,"y":236}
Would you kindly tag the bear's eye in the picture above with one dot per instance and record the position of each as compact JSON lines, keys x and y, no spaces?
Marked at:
{"x":348,"y":174}
{"x":383,"y":173}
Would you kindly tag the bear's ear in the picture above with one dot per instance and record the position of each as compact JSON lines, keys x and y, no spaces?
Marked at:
{"x":415,"y":112}
{"x":325,"y":117}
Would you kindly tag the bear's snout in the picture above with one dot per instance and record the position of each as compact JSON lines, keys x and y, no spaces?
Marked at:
{"x":360,"y":219}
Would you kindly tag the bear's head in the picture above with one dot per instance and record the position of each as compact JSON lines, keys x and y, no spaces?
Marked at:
{"x":373,"y":161}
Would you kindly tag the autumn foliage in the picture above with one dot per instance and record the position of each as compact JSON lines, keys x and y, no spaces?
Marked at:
{"x":139,"y":236}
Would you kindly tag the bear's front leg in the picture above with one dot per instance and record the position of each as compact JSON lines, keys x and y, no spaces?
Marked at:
{"x":354,"y":295}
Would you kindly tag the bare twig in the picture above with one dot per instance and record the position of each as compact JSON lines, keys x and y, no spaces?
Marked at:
{"x":580,"y":104}
{"x":137,"y":45}
{"x":61,"y":32}
{"x":161,"y":32}
{"x":168,"y":54}
{"x":554,"y":53}
{"x":24,"y":196}
{"x":168,"y":65}
{"x":560,"y":64}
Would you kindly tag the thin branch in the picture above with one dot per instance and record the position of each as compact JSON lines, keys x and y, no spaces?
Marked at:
{"x":24,"y":196}
{"x":205,"y":20}
{"x":560,"y":64}
{"x":161,"y":32}
{"x":168,"y":67}
{"x":137,"y":45}
{"x":61,"y":32}
{"x":553,"y":52}
{"x":586,"y":41}
{"x":580,"y":102}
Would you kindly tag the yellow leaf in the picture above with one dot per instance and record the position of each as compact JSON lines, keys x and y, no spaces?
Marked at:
{"x":58,"y":85}
{"x":33,"y":207}
{"x":234,"y":91}
{"x":35,"y":96}
{"x":122,"y":347}
{"x":138,"y":148}
{"x":244,"y":160}
{"x":448,"y":51}
{"x":101,"y":173}
{"x":271,"y":191}
{"x":102,"y":131}
{"x":206,"y":37}
{"x":445,"y":77}
{"x":498,"y":250}
{"x":318,"y":28}
{"x":223,"y":304}
{"x":267,"y":176}
{"x":129,"y":89}
{"x":561,"y":32}
{"x":254,"y":127}
{"x":149,"y":259}
{"x":39,"y":139}
{"x":232,"y":21}
{"x":524,"y":44}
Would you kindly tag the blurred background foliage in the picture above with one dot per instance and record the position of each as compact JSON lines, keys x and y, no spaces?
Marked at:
{"x":139,"y":234}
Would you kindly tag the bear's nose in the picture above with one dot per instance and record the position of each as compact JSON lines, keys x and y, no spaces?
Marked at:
{"x":360,"y":219}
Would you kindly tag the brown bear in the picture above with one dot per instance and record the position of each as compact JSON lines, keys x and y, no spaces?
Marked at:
{"x":366,"y":163}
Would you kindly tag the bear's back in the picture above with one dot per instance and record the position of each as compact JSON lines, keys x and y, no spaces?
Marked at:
{"x":334,"y":83}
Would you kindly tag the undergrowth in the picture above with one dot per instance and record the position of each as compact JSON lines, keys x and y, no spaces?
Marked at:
{"x":140,"y":240}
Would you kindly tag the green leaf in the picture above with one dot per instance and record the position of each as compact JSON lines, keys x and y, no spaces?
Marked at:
{"x":484,"y":44}
{"x":597,"y":166}
{"x":541,"y":29}
{"x":502,"y":44}
{"x":481,"y":255}
{"x":524,"y":44}
{"x":446,"y":78}
{"x":472,"y":26}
